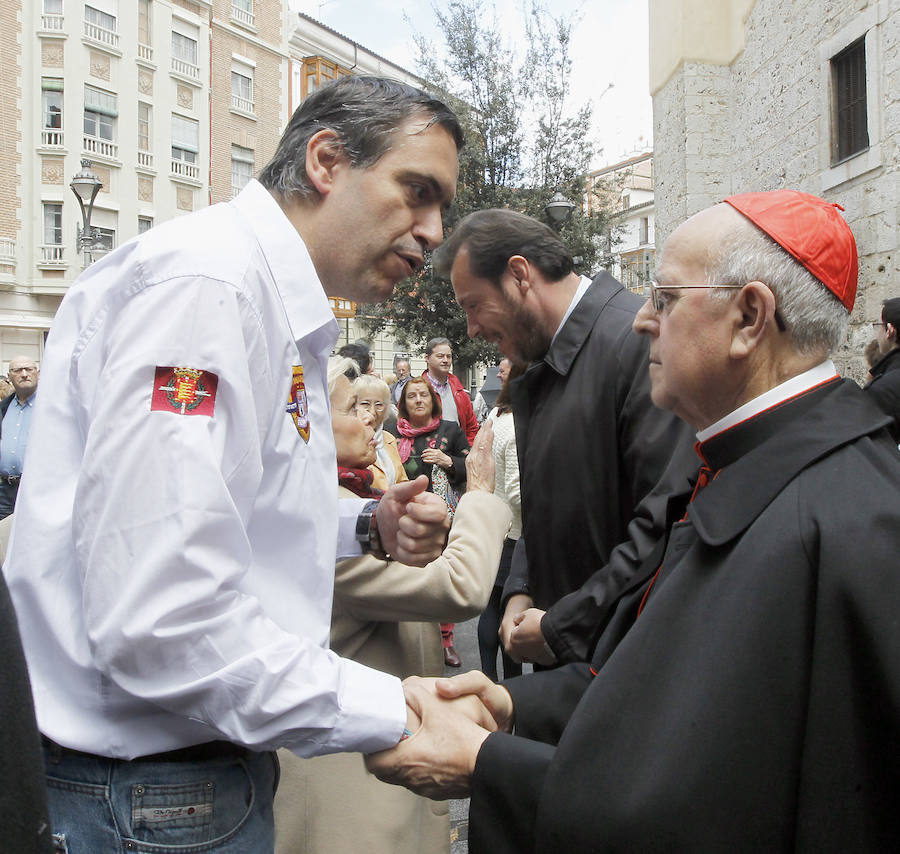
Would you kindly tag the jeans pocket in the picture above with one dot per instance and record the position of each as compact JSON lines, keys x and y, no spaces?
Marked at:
{"x":164,"y":808}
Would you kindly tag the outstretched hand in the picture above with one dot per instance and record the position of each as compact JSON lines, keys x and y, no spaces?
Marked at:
{"x":412,"y":523}
{"x":480,"y":465}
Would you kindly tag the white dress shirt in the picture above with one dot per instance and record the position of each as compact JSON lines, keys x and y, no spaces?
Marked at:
{"x":173,"y":571}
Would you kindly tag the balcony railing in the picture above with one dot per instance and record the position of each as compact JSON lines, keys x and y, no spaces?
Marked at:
{"x":179,"y":66}
{"x":101,"y":147}
{"x":103,"y":36}
{"x":185,"y":170}
{"x":53,"y":255}
{"x":51,"y":138}
{"x":7,"y":251}
{"x":242,"y":105}
{"x":242,"y":16}
{"x":145,"y":159}
{"x":52,"y":22}
{"x":145,"y":52}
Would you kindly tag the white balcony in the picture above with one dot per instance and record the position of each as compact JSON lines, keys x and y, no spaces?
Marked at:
{"x":145,"y":52}
{"x":52,"y":23}
{"x":101,"y":147}
{"x":241,"y":16}
{"x":7,"y":251}
{"x":145,"y":159}
{"x":52,"y":138}
{"x":101,"y":35}
{"x":52,"y":255}
{"x":185,"y":69}
{"x":180,"y":169}
{"x":242,"y":105}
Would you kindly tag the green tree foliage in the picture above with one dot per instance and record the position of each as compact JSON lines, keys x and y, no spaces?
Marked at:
{"x":523,"y":143}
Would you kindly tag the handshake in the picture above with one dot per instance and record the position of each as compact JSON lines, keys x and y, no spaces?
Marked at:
{"x":449,"y":720}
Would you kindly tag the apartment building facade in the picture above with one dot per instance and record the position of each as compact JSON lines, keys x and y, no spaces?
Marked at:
{"x":626,"y":188}
{"x":175,"y":103}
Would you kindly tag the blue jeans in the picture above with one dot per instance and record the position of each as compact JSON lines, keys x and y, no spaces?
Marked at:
{"x":102,"y":806}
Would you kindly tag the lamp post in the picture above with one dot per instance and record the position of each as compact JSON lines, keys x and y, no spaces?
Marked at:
{"x":85,"y":185}
{"x":558,"y":209}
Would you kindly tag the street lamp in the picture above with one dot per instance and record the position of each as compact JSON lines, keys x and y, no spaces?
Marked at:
{"x":558,"y":209}
{"x":85,"y":185}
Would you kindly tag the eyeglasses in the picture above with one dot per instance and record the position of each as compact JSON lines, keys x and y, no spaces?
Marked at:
{"x":658,"y":297}
{"x":877,"y":323}
{"x":368,"y":404}
{"x":23,"y":371}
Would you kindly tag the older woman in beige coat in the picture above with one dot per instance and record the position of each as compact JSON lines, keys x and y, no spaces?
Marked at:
{"x":385,"y":615}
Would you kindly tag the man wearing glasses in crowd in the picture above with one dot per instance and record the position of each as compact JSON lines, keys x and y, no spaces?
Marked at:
{"x":15,"y":421}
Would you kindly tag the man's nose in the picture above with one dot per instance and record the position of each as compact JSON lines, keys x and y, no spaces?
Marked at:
{"x":429,"y":228}
{"x":646,"y":321}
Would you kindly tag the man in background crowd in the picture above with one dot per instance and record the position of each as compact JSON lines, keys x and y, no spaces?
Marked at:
{"x":401,"y":368}
{"x":15,"y":423}
{"x":884,"y":388}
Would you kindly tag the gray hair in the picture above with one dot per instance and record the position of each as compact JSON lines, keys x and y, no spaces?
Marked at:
{"x":436,"y":342}
{"x":815,"y":318}
{"x":364,"y":112}
{"x":369,"y":383}
{"x":340,"y":366}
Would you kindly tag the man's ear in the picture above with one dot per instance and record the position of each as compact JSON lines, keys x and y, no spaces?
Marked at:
{"x":890,"y":330}
{"x":754,"y":318}
{"x":324,"y":152}
{"x":520,"y":270}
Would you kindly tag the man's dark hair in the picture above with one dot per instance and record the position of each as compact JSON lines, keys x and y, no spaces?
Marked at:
{"x":359,"y":353}
{"x":364,"y":112}
{"x":494,"y":236}
{"x":436,"y":342}
{"x":890,"y":312}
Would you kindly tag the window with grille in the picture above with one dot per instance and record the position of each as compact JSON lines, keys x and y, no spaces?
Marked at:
{"x":184,"y":48}
{"x":52,"y":103}
{"x":241,"y":168}
{"x":52,"y":224}
{"x":848,"y":70}
{"x":145,"y":223}
{"x":100,"y":111}
{"x":185,"y":139}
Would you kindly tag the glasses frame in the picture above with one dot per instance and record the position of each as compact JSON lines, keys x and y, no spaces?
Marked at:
{"x":655,"y":288}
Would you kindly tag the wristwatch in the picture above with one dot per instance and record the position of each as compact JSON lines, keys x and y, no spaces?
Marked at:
{"x":367,"y":532}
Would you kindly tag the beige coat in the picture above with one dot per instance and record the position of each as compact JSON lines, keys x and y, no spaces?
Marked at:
{"x":380,"y":480}
{"x":330,"y":804}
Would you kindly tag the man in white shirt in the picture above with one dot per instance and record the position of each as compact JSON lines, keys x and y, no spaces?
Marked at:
{"x":172,"y":557}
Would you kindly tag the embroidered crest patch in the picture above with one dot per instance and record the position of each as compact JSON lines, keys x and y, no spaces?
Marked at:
{"x":298,"y":405}
{"x":187,"y":391}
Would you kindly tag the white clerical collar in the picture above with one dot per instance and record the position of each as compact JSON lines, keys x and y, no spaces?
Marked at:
{"x":583,"y":285}
{"x":799,"y":384}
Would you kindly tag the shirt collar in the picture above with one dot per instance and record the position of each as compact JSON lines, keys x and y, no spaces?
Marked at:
{"x":799,"y":384}
{"x":29,"y":401}
{"x":288,"y":260}
{"x":580,"y":291}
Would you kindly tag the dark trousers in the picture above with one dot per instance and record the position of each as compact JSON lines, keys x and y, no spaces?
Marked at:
{"x":8,"y":493}
{"x":489,"y":624}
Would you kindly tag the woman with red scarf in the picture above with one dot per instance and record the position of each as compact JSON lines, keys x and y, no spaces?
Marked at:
{"x":385,"y":615}
{"x":429,"y":445}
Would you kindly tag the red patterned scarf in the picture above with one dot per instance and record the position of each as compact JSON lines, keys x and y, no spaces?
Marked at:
{"x":408,"y":433}
{"x":358,"y":481}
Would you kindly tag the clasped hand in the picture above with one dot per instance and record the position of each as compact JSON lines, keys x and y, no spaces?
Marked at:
{"x":450,"y":719}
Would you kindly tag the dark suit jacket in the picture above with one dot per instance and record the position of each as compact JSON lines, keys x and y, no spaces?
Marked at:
{"x":755,"y":703}
{"x":591,"y":446}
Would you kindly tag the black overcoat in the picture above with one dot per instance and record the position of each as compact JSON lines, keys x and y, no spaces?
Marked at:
{"x":754,"y":705}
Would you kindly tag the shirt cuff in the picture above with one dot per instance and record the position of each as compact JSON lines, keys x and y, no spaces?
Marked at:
{"x":348,"y":511}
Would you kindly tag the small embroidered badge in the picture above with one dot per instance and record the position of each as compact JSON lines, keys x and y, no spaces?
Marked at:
{"x":187,"y":391}
{"x":298,"y":405}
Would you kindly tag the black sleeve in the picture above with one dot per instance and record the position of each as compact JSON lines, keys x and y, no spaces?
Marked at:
{"x":517,"y":580}
{"x":573,"y":624}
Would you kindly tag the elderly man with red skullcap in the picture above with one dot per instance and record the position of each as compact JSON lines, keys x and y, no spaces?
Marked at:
{"x":744,"y":694}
